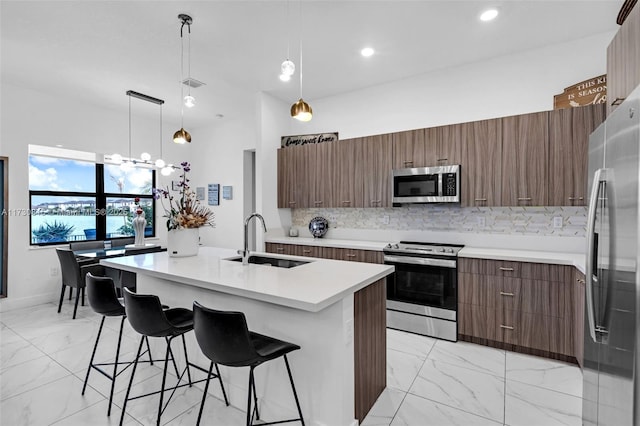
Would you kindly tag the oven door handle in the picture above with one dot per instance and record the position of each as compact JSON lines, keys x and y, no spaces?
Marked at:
{"x":445,"y":263}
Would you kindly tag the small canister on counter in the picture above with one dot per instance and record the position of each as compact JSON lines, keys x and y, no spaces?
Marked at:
{"x":293,"y":232}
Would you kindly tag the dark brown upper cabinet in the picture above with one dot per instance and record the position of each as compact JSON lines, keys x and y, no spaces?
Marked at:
{"x":623,"y":60}
{"x":481,"y":173}
{"x":569,"y":131}
{"x":409,"y":149}
{"x":350,"y":182}
{"x":443,"y":145}
{"x":376,"y":170}
{"x":525,"y":164}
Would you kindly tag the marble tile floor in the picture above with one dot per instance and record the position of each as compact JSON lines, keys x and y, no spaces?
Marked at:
{"x":44,"y":356}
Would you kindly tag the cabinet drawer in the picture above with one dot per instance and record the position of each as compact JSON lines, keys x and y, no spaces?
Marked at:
{"x":546,"y":272}
{"x":506,"y":292}
{"x":308,"y":251}
{"x":490,"y":267}
{"x":543,"y":297}
{"x":507,"y":327}
{"x":280,"y":248}
{"x":477,"y":321}
{"x":475,"y":289}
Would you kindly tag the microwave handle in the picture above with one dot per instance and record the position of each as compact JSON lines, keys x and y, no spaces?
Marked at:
{"x":440,"y":185}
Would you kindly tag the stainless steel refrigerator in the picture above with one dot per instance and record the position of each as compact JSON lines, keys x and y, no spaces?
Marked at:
{"x":611,"y":394}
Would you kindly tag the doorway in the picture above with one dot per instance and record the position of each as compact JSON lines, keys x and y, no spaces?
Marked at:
{"x":249,"y":191}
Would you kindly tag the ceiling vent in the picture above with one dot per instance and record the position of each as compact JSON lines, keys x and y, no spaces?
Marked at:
{"x":192,"y":82}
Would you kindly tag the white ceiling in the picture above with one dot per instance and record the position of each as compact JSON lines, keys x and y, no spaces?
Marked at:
{"x":97,"y":50}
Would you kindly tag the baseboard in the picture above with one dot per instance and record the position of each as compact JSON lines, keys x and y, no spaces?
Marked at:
{"x":519,"y":349}
{"x":12,"y":303}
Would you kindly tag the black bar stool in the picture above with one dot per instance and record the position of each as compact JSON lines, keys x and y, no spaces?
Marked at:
{"x":147,"y":317}
{"x":225,"y":339}
{"x":102,"y":297}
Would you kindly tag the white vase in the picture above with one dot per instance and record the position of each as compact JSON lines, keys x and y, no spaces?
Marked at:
{"x":139,"y":223}
{"x":183,"y":242}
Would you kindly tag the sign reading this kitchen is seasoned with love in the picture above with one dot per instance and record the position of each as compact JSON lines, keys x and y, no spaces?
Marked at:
{"x":307,"y":139}
{"x":592,"y":91}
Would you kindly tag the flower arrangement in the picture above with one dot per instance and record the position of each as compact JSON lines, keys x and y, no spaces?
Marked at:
{"x":183,"y":211}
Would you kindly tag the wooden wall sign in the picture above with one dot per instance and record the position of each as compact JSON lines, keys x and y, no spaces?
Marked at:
{"x":305,"y":139}
{"x":592,"y":91}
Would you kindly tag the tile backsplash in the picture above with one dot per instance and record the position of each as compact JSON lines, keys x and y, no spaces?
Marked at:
{"x":540,"y":221}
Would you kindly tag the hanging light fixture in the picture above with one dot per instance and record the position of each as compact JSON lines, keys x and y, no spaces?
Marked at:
{"x":301,"y":110}
{"x":288,"y":68}
{"x":129,"y":163}
{"x":182,"y":136}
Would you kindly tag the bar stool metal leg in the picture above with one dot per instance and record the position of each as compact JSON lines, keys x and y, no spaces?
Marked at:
{"x":186,"y":359}
{"x":224,"y":394}
{"x":255,"y":398}
{"x":293,"y":387}
{"x":250,"y":388}
{"x":61,"y":297}
{"x":93,"y":354}
{"x":133,"y":373}
{"x":115,"y":366}
{"x":204,"y":395}
{"x":164,"y":378}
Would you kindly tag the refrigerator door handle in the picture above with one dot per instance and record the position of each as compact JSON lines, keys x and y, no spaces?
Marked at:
{"x":598,"y":179}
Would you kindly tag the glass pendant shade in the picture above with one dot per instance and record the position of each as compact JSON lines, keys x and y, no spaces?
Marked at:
{"x":301,"y":111}
{"x":288,"y":68}
{"x":160,"y":163}
{"x":116,"y":158}
{"x":189,"y":101}
{"x":285,"y":77}
{"x":145,"y":156}
{"x":166,"y":171}
{"x":181,"y":136}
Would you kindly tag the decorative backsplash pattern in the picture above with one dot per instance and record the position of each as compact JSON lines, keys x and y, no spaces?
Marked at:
{"x":479,"y":220}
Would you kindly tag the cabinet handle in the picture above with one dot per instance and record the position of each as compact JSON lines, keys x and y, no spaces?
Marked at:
{"x":306,"y":251}
{"x":580,"y":281}
{"x":617,"y":101}
{"x":506,"y":269}
{"x":508,"y":327}
{"x":572,"y":198}
{"x":408,"y":162}
{"x":346,"y":201}
{"x":317,"y":202}
{"x":524,"y":199}
{"x":442,"y":159}
{"x":481,"y":199}
{"x":279,"y":248}
{"x":292,"y":202}
{"x":502,"y":293}
{"x":351,"y":255}
{"x":376,"y":201}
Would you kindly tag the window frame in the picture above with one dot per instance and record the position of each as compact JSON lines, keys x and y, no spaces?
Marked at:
{"x":101,"y":203}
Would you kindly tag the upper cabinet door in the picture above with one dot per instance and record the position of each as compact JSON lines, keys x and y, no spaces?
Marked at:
{"x":409,"y":149}
{"x":525,"y":168}
{"x":623,"y":60}
{"x":322,"y":174}
{"x":443,"y":145}
{"x":569,"y":131}
{"x":293,"y":176}
{"x":481,"y":172}
{"x":376,"y":154}
{"x":350,"y":184}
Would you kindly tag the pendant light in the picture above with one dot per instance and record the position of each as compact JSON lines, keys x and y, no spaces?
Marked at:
{"x":182,"y":136}
{"x":288,"y":68}
{"x":301,"y":110}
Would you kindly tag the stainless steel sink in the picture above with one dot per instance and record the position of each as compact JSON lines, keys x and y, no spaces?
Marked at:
{"x":272,"y":261}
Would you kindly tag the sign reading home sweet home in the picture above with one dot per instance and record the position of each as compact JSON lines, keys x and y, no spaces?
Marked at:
{"x":306,"y":139}
{"x":592,"y":91}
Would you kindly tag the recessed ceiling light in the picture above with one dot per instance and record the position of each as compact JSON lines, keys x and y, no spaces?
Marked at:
{"x":367,"y":51}
{"x":489,"y":15}
{"x":59,"y":145}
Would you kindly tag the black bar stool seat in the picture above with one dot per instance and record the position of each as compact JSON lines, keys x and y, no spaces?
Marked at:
{"x":101,"y":293}
{"x":148,"y":318}
{"x":224,"y":338}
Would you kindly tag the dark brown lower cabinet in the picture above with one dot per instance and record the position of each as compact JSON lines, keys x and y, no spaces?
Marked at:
{"x":529,"y":307}
{"x":336,"y":253}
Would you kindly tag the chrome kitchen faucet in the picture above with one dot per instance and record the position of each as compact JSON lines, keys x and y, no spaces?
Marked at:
{"x":245,"y":253}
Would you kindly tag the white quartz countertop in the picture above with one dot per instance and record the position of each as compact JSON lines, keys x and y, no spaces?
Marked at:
{"x":556,"y":258}
{"x":310,"y":287}
{"x":573,"y":259}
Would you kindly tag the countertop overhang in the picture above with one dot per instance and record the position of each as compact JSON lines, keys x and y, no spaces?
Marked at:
{"x":310,"y":287}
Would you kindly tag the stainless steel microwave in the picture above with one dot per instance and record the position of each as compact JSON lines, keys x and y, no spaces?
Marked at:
{"x":427,"y":185}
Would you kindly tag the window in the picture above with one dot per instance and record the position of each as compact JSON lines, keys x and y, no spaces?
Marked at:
{"x":76,"y":200}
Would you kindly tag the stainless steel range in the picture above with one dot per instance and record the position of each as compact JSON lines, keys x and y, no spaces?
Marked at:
{"x":422,"y":294}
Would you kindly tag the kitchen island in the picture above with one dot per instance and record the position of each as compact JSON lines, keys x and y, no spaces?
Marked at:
{"x":335,"y":310}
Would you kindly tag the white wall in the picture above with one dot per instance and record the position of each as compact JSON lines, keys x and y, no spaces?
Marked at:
{"x":507,"y":85}
{"x":32,"y":117}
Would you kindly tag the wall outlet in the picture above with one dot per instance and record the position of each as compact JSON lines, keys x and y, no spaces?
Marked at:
{"x":54,"y":271}
{"x":481,"y":222}
{"x":385,"y":219}
{"x":557,"y":222}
